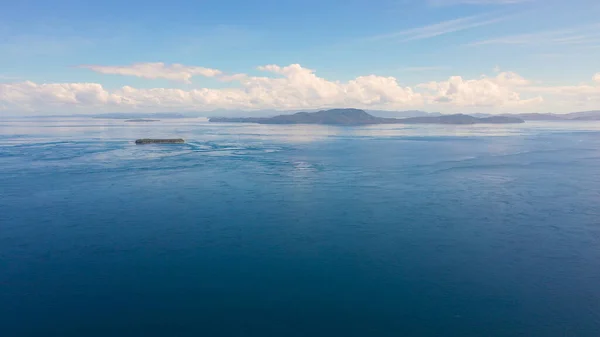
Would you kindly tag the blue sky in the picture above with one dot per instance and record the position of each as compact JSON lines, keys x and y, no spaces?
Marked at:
{"x":444,"y":55}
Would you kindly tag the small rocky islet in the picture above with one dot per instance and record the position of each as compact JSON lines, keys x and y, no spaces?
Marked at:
{"x":144,"y":141}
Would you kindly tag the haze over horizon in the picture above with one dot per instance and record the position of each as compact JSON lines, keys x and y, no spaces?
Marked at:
{"x":449,"y":56}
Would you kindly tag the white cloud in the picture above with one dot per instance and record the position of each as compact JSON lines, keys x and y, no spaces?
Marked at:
{"x":31,"y":96}
{"x":597,"y":77}
{"x":510,"y":79}
{"x":295,"y":87}
{"x":497,"y":91}
{"x":583,"y":95}
{"x":232,"y":78}
{"x":582,"y":92}
{"x":173,"y":72}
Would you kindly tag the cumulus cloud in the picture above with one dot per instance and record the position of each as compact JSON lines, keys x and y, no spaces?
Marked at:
{"x":293,"y":87}
{"x":301,"y":87}
{"x":510,"y":79}
{"x":485,"y":92}
{"x":572,"y":94}
{"x":32,"y":96}
{"x":584,"y":95}
{"x":173,"y":72}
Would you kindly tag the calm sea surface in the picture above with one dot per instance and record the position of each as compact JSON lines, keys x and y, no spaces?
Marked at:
{"x":251,"y":230}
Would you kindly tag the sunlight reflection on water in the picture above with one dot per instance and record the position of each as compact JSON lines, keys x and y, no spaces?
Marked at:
{"x":199,"y":129}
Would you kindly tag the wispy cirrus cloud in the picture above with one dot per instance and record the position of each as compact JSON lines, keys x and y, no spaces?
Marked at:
{"x":440,"y":28}
{"x":6,"y":77}
{"x":156,"y":70}
{"x":439,"y":3}
{"x":583,"y":35}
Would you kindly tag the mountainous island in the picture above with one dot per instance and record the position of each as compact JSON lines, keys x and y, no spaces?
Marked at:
{"x":361,"y":117}
{"x":388,"y":116}
{"x":593,"y":115}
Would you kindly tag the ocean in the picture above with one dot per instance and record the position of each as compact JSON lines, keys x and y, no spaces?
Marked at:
{"x":274,"y":230}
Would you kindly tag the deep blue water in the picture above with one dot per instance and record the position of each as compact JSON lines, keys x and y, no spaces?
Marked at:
{"x":252,"y":230}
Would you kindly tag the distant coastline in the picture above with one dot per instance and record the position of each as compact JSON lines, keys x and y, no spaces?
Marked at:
{"x":593,"y":115}
{"x":361,"y":117}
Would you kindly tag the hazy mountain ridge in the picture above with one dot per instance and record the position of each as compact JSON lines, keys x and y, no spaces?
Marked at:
{"x":361,"y":117}
{"x":573,"y":116}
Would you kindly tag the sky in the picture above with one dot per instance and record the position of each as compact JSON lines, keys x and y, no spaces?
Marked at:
{"x":488,"y":56}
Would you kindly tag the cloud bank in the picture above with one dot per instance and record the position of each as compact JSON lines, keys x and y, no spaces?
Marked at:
{"x":284,"y":88}
{"x":485,"y":92}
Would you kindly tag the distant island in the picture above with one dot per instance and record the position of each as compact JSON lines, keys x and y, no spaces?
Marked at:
{"x":141,"y":120}
{"x":391,"y":115}
{"x":159,"y":141}
{"x":593,"y":115}
{"x":361,"y":117}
